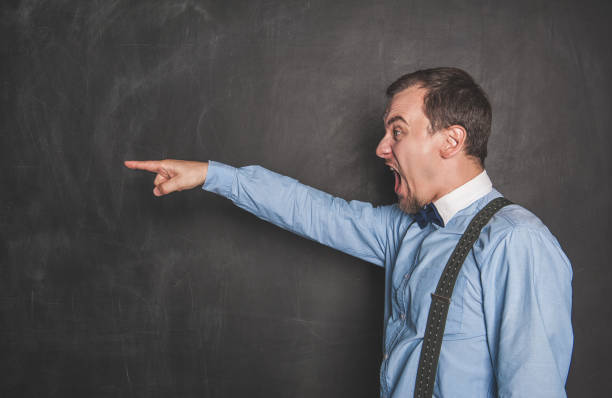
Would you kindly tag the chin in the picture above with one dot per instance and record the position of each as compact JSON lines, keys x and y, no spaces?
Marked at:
{"x":409,"y":205}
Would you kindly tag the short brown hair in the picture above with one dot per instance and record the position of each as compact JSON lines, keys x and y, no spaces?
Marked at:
{"x":453,"y":98}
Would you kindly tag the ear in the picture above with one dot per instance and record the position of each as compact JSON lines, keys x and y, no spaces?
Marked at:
{"x":453,"y":141}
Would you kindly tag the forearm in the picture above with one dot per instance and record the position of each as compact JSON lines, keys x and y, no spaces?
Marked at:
{"x":354,"y":227}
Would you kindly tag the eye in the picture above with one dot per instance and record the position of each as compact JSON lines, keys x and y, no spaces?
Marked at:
{"x":396,"y":133}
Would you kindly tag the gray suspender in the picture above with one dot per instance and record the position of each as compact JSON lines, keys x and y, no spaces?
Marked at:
{"x":440,"y":300}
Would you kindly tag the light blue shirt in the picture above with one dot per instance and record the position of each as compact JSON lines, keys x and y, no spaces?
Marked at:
{"x":508,"y":331}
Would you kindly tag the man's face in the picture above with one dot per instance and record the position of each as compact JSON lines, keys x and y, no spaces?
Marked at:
{"x":410,"y":149}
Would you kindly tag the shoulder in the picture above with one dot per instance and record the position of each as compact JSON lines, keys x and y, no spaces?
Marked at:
{"x":516,"y":216}
{"x":397,"y":217}
{"x":516,"y":235}
{"x":513,"y":222}
{"x":510,"y":222}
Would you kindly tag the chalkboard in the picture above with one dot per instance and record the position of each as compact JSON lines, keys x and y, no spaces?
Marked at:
{"x":107,"y":290}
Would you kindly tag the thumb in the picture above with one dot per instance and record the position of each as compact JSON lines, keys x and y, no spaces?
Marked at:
{"x":167,"y":187}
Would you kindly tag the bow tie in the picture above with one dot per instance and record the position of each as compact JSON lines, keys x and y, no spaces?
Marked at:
{"x":428,"y":214}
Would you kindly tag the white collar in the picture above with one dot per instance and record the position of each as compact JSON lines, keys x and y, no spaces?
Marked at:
{"x":460,"y":198}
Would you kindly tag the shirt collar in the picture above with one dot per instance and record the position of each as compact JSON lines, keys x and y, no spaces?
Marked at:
{"x":460,"y":198}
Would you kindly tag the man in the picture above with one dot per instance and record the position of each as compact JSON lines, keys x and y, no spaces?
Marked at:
{"x":508,"y":331}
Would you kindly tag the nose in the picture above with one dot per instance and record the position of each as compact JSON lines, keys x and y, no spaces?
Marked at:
{"x":383,"y":150}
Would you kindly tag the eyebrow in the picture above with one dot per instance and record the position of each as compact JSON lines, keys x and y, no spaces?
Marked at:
{"x":394,"y":119}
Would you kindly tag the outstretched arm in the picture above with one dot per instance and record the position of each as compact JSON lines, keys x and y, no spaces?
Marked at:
{"x":356,"y":228}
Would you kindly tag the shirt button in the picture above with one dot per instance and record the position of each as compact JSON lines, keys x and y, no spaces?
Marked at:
{"x":386,"y":356}
{"x":406,"y":276}
{"x":403,"y":315}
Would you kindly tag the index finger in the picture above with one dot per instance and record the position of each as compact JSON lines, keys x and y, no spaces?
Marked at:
{"x":148,"y":165}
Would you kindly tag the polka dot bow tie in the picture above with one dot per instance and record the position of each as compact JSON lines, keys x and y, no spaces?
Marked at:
{"x":428,"y":214}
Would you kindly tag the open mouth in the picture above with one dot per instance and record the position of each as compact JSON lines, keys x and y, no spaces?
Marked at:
{"x":398,"y":181}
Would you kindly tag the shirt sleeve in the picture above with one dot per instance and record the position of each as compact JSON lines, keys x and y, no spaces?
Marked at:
{"x":356,"y":228}
{"x":527,"y":304}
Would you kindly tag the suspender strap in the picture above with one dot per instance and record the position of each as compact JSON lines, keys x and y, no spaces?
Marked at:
{"x":440,"y":300}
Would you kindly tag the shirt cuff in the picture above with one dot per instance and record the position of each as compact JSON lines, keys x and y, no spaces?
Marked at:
{"x":219,"y":178}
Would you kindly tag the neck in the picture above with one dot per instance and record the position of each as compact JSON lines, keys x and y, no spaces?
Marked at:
{"x":454,"y":175}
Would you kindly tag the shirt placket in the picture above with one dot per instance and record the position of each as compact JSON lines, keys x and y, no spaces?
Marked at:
{"x":401,"y":301}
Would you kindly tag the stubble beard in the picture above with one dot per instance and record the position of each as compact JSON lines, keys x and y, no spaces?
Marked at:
{"x":410,"y":204}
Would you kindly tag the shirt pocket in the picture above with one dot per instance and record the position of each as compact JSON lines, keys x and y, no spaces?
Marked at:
{"x":417,"y":301}
{"x":454,"y":320}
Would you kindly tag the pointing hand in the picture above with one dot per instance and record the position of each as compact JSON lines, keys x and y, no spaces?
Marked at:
{"x":172,"y":175}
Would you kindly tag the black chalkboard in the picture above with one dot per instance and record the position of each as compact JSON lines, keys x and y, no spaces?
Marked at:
{"x":106,"y":290}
